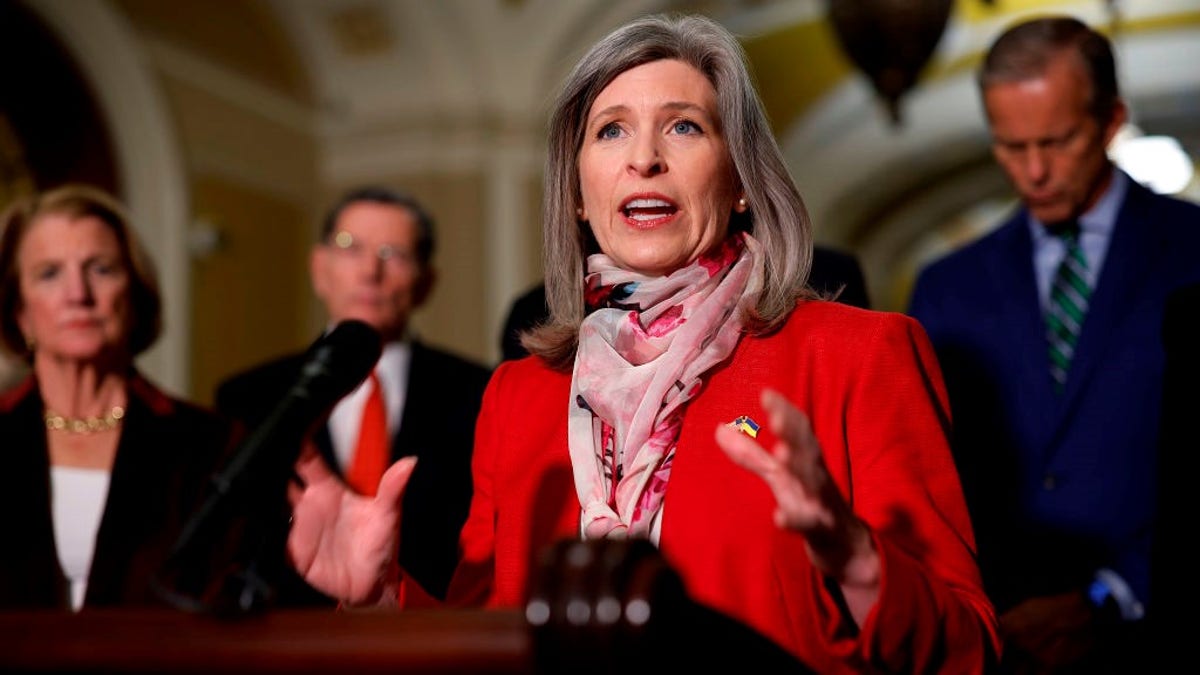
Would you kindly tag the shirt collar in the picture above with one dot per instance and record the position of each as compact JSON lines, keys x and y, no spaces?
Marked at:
{"x":1101,"y":218}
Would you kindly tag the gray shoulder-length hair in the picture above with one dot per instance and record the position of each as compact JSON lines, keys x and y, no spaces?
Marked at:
{"x":777,"y":217}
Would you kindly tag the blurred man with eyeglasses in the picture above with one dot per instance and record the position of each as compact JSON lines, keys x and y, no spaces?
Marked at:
{"x":373,"y":263}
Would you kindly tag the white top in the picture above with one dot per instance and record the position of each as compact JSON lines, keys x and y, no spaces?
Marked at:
{"x":392,"y":370}
{"x":78,"y":497}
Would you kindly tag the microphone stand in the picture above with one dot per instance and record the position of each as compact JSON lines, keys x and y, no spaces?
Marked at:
{"x":248,"y":585}
{"x":334,"y":365}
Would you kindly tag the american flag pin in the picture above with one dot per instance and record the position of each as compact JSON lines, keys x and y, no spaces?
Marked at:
{"x":746,"y":426}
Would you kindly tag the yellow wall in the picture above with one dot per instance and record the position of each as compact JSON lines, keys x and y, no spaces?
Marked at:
{"x":248,"y":300}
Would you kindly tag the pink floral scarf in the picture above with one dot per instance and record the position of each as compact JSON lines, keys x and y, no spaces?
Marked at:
{"x":643,"y":352}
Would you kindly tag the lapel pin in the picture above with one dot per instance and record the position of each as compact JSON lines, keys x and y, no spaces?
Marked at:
{"x":746,"y":425}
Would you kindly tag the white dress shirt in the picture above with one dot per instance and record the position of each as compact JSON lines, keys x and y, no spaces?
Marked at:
{"x":392,"y":370}
{"x":1095,"y":230}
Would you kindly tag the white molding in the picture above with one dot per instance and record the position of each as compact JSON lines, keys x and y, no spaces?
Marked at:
{"x":745,"y":21}
{"x":231,"y":86}
{"x":508,"y":263}
{"x":370,"y":155}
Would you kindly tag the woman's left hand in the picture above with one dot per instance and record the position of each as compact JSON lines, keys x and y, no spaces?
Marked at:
{"x":808,"y":501}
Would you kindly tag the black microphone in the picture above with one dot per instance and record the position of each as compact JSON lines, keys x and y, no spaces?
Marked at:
{"x":333,"y":366}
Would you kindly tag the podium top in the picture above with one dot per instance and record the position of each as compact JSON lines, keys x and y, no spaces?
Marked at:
{"x":285,"y":641}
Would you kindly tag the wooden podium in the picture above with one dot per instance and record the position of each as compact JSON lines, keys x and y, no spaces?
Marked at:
{"x":606,"y":607}
{"x":283,"y":641}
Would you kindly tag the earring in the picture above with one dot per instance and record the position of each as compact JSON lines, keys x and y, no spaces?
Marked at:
{"x":30,"y":343}
{"x":742,"y":205}
{"x":579,"y":212}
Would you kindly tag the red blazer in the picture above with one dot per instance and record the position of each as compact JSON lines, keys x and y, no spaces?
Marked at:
{"x":870,"y":384}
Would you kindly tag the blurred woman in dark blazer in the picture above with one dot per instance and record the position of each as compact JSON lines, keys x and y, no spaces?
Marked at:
{"x":103,"y":467}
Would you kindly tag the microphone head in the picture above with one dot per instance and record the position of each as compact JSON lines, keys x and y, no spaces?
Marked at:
{"x":339,"y":361}
{"x":356,"y":342}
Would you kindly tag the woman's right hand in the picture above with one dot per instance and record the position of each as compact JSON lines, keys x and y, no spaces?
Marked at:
{"x":808,"y":501}
{"x":342,"y":543}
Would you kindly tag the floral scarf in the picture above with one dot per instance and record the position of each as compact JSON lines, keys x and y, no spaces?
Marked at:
{"x":643,"y":351}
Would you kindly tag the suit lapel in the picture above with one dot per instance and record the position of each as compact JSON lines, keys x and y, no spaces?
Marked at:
{"x":413,"y":431}
{"x":1131,"y":253}
{"x":324,"y":444}
{"x":1011,"y":269}
{"x":131,"y":487}
{"x":28,"y":516}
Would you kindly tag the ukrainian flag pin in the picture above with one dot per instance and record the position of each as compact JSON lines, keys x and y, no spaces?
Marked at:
{"x":746,"y":426}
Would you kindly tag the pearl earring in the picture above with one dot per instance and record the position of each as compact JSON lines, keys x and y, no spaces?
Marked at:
{"x":742,"y":203}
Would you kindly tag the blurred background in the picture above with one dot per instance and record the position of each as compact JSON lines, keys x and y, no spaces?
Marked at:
{"x":228,"y":126}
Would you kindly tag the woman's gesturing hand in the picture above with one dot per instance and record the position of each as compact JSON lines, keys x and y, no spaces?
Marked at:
{"x":343,"y":543}
{"x":808,"y":501}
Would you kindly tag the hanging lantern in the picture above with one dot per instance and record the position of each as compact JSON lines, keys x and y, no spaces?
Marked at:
{"x":890,"y":41}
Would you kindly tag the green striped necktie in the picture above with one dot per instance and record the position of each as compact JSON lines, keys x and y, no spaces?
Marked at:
{"x":1068,"y":304}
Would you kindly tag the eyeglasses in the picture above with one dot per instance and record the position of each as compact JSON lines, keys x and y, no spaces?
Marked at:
{"x":343,"y":242}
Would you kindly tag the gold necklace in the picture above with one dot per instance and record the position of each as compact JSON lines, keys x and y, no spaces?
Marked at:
{"x":85,"y":425}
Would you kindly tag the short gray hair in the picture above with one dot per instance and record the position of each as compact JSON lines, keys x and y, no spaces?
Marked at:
{"x":1025,"y":50}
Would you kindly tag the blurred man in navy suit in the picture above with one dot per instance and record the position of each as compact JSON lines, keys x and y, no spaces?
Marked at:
{"x":1049,"y":335}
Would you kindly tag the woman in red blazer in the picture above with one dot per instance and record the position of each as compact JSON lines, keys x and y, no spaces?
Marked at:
{"x":682,"y":345}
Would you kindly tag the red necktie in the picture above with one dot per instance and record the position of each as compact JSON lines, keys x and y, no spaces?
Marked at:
{"x":372,"y":452}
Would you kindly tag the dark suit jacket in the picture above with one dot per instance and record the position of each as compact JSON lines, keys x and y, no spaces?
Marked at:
{"x":832,"y":271}
{"x":438,"y":426}
{"x":1171,"y":567}
{"x":166,"y":454}
{"x":1059,"y":485}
